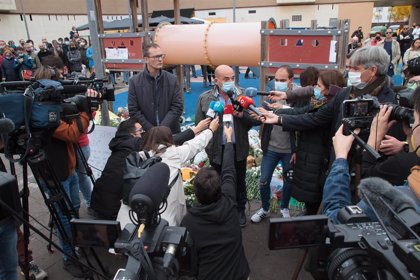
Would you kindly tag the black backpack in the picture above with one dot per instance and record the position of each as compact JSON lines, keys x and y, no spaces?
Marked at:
{"x":135,"y":168}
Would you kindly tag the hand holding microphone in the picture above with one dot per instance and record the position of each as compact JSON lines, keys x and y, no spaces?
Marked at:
{"x":277,"y":95}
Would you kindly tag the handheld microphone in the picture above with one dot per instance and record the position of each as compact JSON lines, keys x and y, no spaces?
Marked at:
{"x":227,"y":115}
{"x":219,"y":107}
{"x":210,"y":112}
{"x":6,"y":126}
{"x":247,"y":103}
{"x":376,"y":188}
{"x":252,"y":92}
{"x":149,"y":191}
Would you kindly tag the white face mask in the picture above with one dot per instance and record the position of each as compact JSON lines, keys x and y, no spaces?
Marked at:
{"x":355,"y":80}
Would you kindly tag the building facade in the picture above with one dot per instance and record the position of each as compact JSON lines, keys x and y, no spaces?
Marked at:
{"x":54,"y":18}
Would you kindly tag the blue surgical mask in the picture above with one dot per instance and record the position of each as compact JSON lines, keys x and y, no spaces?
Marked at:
{"x":317,"y":94}
{"x":281,"y":86}
{"x":228,"y":86}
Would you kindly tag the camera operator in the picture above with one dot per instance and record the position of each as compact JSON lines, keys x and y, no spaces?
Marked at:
{"x":61,"y":155}
{"x":217,"y":251}
{"x":399,"y":157}
{"x":336,"y":190}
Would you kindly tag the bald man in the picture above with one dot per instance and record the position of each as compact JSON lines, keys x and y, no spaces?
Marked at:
{"x":225,"y":82}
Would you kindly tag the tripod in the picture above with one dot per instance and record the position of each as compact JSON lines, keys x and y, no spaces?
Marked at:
{"x":58,"y":204}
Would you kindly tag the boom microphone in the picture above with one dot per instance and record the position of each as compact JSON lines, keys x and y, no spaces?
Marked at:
{"x":6,"y":126}
{"x":376,"y":188}
{"x":247,"y":103}
{"x":149,"y":191}
{"x":252,"y":92}
{"x":74,"y":89}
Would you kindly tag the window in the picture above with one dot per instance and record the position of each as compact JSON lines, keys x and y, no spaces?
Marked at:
{"x":212,"y":13}
{"x":252,"y":11}
{"x":283,"y":42}
{"x":297,"y":18}
{"x":333,"y":22}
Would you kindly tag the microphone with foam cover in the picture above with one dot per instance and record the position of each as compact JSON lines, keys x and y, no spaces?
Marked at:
{"x":252,"y":92}
{"x":227,"y":115}
{"x":6,"y":126}
{"x":375,"y":188}
{"x":247,"y":103}
{"x":73,"y":89}
{"x":219,"y":107}
{"x":149,"y":191}
{"x":210,"y":112}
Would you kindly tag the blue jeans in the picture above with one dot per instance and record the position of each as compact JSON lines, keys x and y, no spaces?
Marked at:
{"x":268,"y":164}
{"x":85,"y":185}
{"x":8,"y":251}
{"x":126,"y":76}
{"x":71,"y":187}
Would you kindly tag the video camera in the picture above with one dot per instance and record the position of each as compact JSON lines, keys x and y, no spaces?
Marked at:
{"x":106,"y":90}
{"x":359,"y":112}
{"x":152,"y":245}
{"x":358,"y":248}
{"x":36,"y":109}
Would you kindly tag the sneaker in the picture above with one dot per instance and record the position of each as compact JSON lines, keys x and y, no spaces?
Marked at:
{"x":285,"y":213}
{"x":75,"y":270}
{"x":35,"y":272}
{"x":260,"y":215}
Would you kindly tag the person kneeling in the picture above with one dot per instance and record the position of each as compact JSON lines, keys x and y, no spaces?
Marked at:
{"x":212,"y":223}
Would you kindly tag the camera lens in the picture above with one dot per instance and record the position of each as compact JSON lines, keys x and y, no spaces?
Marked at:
{"x":350,"y":263}
{"x":400,"y":113}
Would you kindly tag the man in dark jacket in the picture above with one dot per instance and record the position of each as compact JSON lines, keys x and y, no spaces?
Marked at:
{"x":358,"y":33}
{"x":405,"y":38}
{"x":154,"y":94}
{"x":108,"y":190}
{"x":217,"y":251}
{"x":241,"y":123}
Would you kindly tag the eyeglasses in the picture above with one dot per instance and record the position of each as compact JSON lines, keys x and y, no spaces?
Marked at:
{"x":388,"y":32}
{"x":157,"y":57}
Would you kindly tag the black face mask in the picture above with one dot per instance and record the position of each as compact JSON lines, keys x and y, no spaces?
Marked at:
{"x":73,"y":48}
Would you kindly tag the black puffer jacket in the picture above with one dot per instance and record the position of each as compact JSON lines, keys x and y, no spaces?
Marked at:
{"x":108,"y":189}
{"x":107,"y":192}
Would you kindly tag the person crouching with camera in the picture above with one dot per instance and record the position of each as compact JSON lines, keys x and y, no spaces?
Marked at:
{"x":61,"y":155}
{"x":337,"y":191}
{"x":217,"y":251}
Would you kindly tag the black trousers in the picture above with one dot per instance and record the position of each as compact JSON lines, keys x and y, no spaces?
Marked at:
{"x":240,"y":167}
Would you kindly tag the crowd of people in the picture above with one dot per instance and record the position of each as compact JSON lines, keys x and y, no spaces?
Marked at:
{"x":20,"y":61}
{"x":298,"y":125}
{"x":401,"y":46}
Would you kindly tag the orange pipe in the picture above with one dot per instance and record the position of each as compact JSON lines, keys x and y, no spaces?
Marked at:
{"x":211,"y":44}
